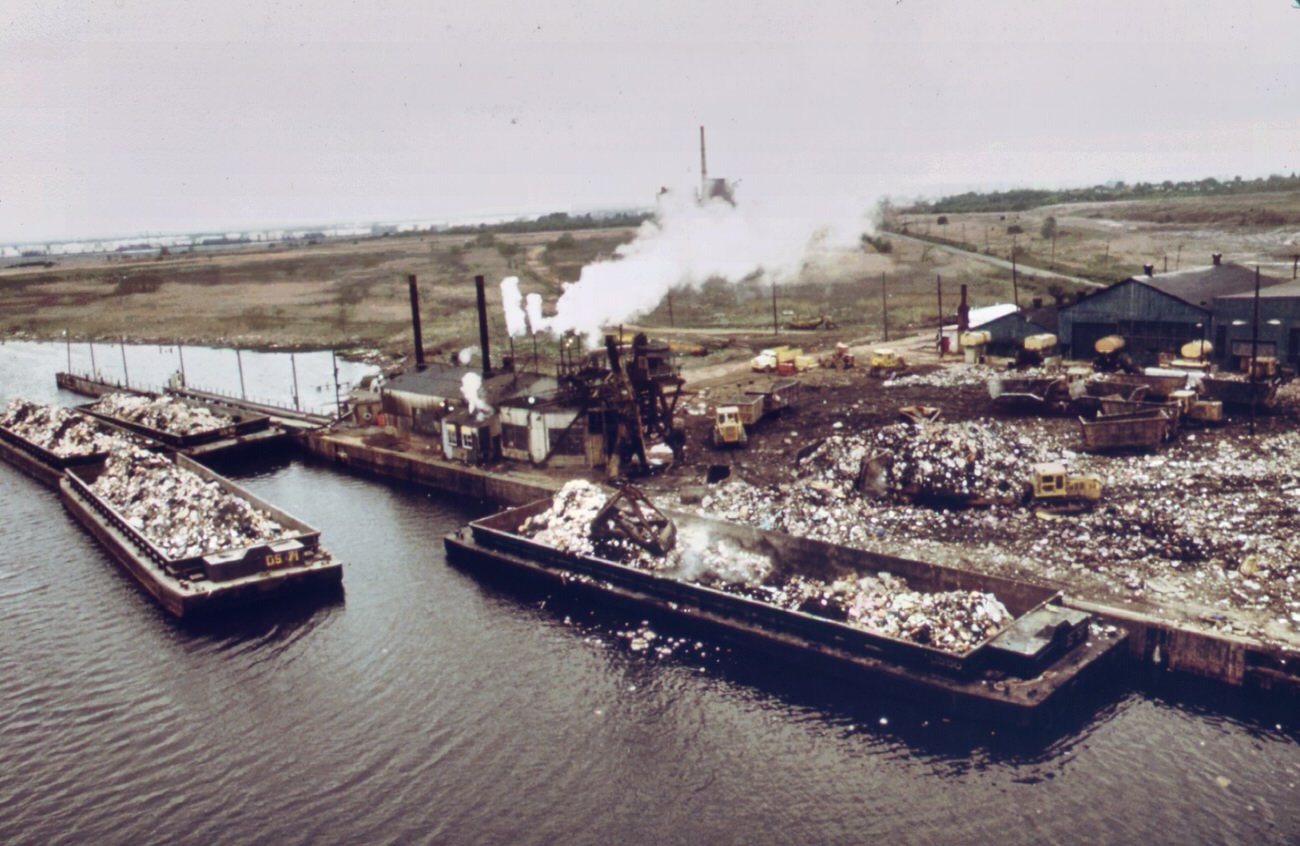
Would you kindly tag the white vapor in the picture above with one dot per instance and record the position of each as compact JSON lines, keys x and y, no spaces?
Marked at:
{"x":687,"y":245}
{"x":471,"y":388}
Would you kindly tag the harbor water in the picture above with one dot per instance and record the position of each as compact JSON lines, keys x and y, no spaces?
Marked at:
{"x":430,"y":706}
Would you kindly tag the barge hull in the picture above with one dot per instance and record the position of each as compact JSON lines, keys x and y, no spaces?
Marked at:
{"x":1001,"y":699}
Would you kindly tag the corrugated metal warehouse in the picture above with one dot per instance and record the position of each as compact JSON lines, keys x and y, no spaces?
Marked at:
{"x":1279,"y":324}
{"x":1155,"y":312}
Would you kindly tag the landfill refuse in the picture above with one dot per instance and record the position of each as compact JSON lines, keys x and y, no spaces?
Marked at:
{"x":163,"y":413}
{"x":179,"y":512}
{"x":60,"y":431}
{"x":954,"y":621}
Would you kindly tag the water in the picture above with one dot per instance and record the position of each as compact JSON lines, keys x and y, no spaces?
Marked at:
{"x":429,"y":706}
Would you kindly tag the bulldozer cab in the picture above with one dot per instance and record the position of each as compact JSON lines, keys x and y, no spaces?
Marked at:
{"x":1048,"y":480}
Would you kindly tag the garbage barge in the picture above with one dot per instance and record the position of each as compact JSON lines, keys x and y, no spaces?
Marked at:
{"x":1021,"y":674}
{"x":191,"y":428}
{"x":285,"y":558}
{"x":43,"y":441}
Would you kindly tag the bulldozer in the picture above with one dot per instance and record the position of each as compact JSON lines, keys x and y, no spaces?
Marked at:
{"x":884,"y":361}
{"x":728,"y":429}
{"x":1053,"y":489}
{"x":838,"y":359}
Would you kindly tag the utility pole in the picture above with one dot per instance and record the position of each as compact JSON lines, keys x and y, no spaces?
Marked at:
{"x":239,"y":360}
{"x":126,"y":376}
{"x":1295,"y":263}
{"x":293,"y":364}
{"x":338,"y":401}
{"x":775,"y":329}
{"x":1054,"y":251}
{"x":884,"y":305}
{"x":1254,"y":354}
{"x":938,"y":287}
{"x":1178,"y":257}
{"x":1015,"y":283}
{"x":67,"y":338}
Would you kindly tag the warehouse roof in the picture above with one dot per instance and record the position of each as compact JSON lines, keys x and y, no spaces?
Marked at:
{"x":439,"y":379}
{"x":1199,"y":286}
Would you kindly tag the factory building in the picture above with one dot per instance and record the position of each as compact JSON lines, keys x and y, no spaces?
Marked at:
{"x":1156,"y":312}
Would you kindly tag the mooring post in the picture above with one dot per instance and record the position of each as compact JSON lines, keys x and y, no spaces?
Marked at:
{"x":126,"y":375}
{"x":293,"y":365}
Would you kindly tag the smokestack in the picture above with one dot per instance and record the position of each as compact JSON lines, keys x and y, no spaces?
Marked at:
{"x":1150,"y":269}
{"x":611,"y":350}
{"x":1217,"y":257}
{"x":704,"y":170}
{"x":415,"y":322}
{"x":963,"y":312}
{"x":482,"y":326}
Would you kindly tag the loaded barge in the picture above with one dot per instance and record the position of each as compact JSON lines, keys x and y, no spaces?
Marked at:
{"x":196,"y":584}
{"x":1020,"y":675}
{"x":41,"y":464}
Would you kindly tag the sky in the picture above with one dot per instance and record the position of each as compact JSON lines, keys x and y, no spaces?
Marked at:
{"x":122,"y":117}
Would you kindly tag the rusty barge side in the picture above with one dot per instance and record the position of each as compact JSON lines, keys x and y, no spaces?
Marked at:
{"x":1022,"y":675}
{"x":193,"y":586}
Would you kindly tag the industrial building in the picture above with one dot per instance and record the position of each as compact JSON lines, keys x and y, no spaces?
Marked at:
{"x":1279,"y":324}
{"x":1158,"y":312}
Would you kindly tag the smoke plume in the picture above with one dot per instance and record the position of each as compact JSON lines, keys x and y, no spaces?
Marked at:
{"x":471,"y":388}
{"x":686,"y":245}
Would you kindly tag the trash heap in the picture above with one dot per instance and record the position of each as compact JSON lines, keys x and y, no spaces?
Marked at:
{"x":961,"y":462}
{"x":60,"y":431}
{"x":954,"y":621}
{"x":952,"y":376}
{"x":163,"y":413}
{"x":179,"y":512}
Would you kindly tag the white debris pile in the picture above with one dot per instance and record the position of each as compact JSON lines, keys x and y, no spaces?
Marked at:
{"x":952,"y":376}
{"x":60,"y":431}
{"x":954,"y":621}
{"x":163,"y":413}
{"x":566,"y":525}
{"x":961,"y":461}
{"x":181,"y":513}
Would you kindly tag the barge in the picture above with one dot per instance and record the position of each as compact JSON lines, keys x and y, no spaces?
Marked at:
{"x":1021,"y":674}
{"x":244,"y":431}
{"x":197,"y":584}
{"x":41,"y":464}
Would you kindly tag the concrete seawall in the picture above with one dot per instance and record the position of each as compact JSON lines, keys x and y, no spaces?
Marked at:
{"x":513,"y":488}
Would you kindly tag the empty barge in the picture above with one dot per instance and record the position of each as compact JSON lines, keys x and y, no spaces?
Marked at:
{"x":1019,"y":675}
{"x":195,"y":585}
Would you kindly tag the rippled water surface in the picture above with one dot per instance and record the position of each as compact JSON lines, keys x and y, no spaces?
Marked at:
{"x":429,"y":706}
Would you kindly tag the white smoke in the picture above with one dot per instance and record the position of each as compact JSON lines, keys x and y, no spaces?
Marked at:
{"x":471,"y":388}
{"x":687,"y":245}
{"x":465,"y":356}
{"x":516,"y":319}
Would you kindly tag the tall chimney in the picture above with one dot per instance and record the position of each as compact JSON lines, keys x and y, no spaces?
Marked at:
{"x":1218,"y":258}
{"x":1150,"y":269}
{"x":415,"y":322}
{"x":482,"y":326}
{"x":704,"y":170}
{"x":963,"y":312}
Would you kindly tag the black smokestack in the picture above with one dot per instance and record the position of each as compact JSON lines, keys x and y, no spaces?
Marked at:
{"x":611,"y":350}
{"x":415,"y":322}
{"x":963,"y":312}
{"x":482,"y":325}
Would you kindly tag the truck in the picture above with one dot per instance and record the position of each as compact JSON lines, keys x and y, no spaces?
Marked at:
{"x":735,"y":414}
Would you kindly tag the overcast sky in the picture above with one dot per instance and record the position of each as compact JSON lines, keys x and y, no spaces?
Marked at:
{"x":124,"y":116}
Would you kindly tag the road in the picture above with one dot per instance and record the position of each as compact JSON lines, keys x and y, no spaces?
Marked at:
{"x":1001,"y":262}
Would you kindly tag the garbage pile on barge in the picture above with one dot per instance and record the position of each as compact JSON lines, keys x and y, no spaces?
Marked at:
{"x":60,"y":431}
{"x":954,"y":621}
{"x":179,"y":512}
{"x":163,"y":413}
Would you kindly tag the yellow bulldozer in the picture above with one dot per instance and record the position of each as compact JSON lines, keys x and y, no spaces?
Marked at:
{"x":1054,"y":489}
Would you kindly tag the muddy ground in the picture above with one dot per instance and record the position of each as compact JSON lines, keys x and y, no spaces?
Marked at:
{"x":1206,"y":525}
